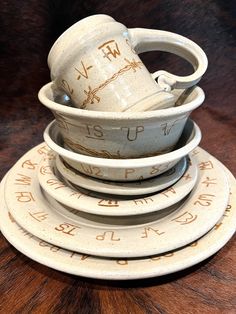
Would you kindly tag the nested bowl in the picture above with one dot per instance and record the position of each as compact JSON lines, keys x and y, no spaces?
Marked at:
{"x":119,"y":135}
{"x":124,"y":169}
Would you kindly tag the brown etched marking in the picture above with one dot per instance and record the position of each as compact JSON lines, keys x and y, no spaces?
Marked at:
{"x":11,"y":217}
{"x":195,"y":152}
{"x":168,"y":191}
{"x":55,"y":183}
{"x":209,"y":181}
{"x":206,"y":165}
{"x":39,"y":216}
{"x":49,"y":156}
{"x":108,"y":203}
{"x":92,"y":93}
{"x":148,"y":230}
{"x":28,"y":164}
{"x":132,"y":133}
{"x":218,"y":225}
{"x":169,"y":254}
{"x":122,"y":262}
{"x":61,"y":121}
{"x":76,"y":194}
{"x":129,"y":44}
{"x":139,"y":180}
{"x":187,"y":176}
{"x":73,"y":211}
{"x":110,"y":49}
{"x":110,"y":235}
{"x":228,"y":210}
{"x":95,"y":132}
{"x":45,"y":170}
{"x":66,"y":86}
{"x":128,"y":172}
{"x":72,"y":254}
{"x":92,"y":170}
{"x":51,"y":247}
{"x":143,"y":201}
{"x":157,"y":258}
{"x":67,"y":228}
{"x":43,"y":150}
{"x":185,"y":218}
{"x":194,"y":244}
{"x":84,"y":71}
{"x":155,"y":170}
{"x":23,"y":180}
{"x":84,"y":257}
{"x":91,"y":152}
{"x":95,"y":138}
{"x":91,"y":97}
{"x":26,"y":233}
{"x":204,"y":199}
{"x":168,"y":126}
{"x":24,"y":197}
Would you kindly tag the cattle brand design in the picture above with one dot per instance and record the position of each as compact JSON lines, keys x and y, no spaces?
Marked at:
{"x":91,"y":93}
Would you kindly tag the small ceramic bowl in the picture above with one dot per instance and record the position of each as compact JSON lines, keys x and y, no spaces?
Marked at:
{"x":124,"y":169}
{"x":119,"y":135}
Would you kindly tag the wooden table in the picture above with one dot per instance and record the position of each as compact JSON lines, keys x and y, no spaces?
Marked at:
{"x":28,"y":31}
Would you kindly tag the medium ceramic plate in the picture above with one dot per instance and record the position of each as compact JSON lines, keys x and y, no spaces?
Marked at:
{"x":199,"y":213}
{"x":125,"y":269}
{"x":101,"y":204}
{"x":140,"y":187}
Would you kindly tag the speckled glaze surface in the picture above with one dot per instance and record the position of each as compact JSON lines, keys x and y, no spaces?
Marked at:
{"x":140,"y":187}
{"x":120,"y":135}
{"x":124,"y":169}
{"x":96,"y":63}
{"x":87,"y":201}
{"x":28,"y":29}
{"x":120,"y":269}
{"x":60,"y":227}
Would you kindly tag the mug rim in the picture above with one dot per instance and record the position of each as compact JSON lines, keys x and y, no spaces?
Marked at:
{"x":67,"y":33}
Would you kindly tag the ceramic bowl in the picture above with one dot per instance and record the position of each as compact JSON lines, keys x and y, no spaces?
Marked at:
{"x":119,"y":135}
{"x":124,"y":169}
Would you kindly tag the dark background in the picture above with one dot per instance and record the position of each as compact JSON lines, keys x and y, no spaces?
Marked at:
{"x":27,"y":31}
{"x":29,"y":28}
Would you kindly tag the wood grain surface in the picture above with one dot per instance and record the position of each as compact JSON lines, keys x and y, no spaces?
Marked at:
{"x":28,"y":29}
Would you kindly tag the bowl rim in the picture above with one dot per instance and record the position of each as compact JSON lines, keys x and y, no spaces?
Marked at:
{"x":194,"y":140}
{"x":105,"y":115}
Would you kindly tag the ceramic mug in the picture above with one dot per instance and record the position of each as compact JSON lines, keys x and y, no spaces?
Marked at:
{"x":96,"y":63}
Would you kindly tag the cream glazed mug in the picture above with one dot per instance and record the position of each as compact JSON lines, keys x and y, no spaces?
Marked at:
{"x":96,"y":63}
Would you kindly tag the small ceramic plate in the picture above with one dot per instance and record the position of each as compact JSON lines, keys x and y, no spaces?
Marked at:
{"x":100,"y":221}
{"x":140,"y":187}
{"x":101,"y":204}
{"x":119,"y":269}
{"x":199,"y":213}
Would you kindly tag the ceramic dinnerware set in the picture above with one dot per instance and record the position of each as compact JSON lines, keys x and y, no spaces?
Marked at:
{"x":120,"y":188}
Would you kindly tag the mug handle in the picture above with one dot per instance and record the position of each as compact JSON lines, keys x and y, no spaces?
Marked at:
{"x":143,"y":40}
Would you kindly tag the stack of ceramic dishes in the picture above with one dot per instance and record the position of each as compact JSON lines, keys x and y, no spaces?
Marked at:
{"x":124,"y":192}
{"x":116,"y":218}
